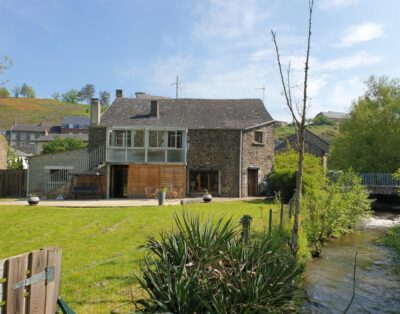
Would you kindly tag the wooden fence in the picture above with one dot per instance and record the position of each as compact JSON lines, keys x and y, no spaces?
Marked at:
{"x":13,"y":183}
{"x":30,"y":282}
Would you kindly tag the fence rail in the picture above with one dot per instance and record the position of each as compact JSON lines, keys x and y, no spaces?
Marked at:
{"x":13,"y":183}
{"x":379,"y":180}
{"x":92,"y":159}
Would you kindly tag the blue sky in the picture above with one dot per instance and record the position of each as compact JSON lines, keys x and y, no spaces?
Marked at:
{"x":219,"y":48}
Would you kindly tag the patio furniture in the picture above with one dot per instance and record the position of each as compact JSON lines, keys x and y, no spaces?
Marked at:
{"x":151,"y":192}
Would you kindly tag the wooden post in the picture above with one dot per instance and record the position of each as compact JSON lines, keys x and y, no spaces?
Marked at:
{"x":270,"y":222}
{"x":281,"y":216}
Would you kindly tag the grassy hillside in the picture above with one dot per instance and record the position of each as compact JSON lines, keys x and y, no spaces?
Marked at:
{"x":327,"y":132}
{"x":36,"y":110}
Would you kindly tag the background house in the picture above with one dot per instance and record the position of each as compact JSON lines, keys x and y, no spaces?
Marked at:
{"x":224,"y":146}
{"x":314,"y":145}
{"x":75,"y":125}
{"x":335,"y":116}
{"x":23,"y":136}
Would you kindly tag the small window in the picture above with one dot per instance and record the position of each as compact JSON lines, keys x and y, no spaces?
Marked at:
{"x":32,"y":136}
{"x":13,"y":136}
{"x":22,"y":136}
{"x":175,"y":139}
{"x":258,"y":137}
{"x":157,"y":139}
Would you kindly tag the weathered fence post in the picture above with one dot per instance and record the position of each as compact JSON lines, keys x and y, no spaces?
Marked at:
{"x":246,"y":222}
{"x":270,"y":222}
{"x":281,"y":216}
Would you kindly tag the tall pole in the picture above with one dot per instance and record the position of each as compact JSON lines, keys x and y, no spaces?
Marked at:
{"x":177,"y":84}
{"x":263,"y":89}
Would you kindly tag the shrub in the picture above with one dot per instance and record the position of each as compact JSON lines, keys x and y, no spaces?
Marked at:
{"x":334,"y":209}
{"x":62,"y":145}
{"x":322,"y":120}
{"x":206,"y":268}
{"x":283,"y":178}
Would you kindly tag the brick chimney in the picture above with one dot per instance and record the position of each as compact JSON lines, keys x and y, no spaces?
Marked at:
{"x":154,"y":109}
{"x":119,"y":93}
{"x":95,"y":111}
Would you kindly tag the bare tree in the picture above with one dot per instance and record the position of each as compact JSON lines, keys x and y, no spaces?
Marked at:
{"x":298,"y":111}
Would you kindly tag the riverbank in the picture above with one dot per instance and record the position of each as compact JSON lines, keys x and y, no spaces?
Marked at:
{"x":392,"y":239}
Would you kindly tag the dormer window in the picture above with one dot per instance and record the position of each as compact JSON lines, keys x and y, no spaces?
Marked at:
{"x":258,"y":137}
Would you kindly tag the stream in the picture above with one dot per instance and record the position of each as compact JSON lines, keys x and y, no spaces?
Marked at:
{"x":329,"y":279}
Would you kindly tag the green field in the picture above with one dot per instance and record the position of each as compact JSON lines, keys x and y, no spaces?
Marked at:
{"x":36,"y":110}
{"x":326,"y":132}
{"x":100,"y":245}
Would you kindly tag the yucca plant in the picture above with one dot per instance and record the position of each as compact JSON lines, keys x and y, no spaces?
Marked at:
{"x":206,"y":268}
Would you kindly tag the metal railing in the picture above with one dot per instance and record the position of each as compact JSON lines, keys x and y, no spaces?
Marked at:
{"x":379,"y":180}
{"x":60,"y":177}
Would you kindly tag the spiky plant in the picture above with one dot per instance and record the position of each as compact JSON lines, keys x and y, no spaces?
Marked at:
{"x":206,"y":268}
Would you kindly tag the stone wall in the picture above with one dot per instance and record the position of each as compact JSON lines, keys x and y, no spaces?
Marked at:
{"x":216,"y":150}
{"x":40,"y":167}
{"x":257,"y":155}
{"x":3,"y":152}
{"x":97,"y":136}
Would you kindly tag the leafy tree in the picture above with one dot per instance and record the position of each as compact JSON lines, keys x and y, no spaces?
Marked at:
{"x":298,"y":111}
{"x":13,"y":162}
{"x":56,"y":96}
{"x":16,"y":91}
{"x":104,"y":98}
{"x":87,"y":92}
{"x":4,"y":92}
{"x":369,"y":140}
{"x":27,"y":91}
{"x":71,"y":96}
{"x":322,"y":120}
{"x":62,"y":145}
{"x":5,"y":64}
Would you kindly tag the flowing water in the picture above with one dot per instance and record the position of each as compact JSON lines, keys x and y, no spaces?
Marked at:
{"x":329,"y":279}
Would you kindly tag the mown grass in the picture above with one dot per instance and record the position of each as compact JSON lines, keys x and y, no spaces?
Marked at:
{"x":36,"y":110}
{"x":100,"y":245}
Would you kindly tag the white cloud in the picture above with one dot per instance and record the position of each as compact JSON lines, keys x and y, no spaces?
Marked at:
{"x":361,"y":33}
{"x":346,"y":63}
{"x":333,"y":4}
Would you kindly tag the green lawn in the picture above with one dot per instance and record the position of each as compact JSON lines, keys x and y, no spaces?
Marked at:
{"x":100,"y":245}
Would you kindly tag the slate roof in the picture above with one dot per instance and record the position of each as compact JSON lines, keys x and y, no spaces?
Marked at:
{"x":333,"y":114}
{"x":30,"y":127}
{"x":188,"y":113}
{"x":309,"y":137}
{"x":51,"y":137}
{"x":76,"y":120}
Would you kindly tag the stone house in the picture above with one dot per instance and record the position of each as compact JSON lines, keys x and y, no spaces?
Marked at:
{"x":23,"y":136}
{"x":225,"y":146}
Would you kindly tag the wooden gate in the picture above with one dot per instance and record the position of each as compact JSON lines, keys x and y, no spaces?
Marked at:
{"x":30,"y":282}
{"x":13,"y":183}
